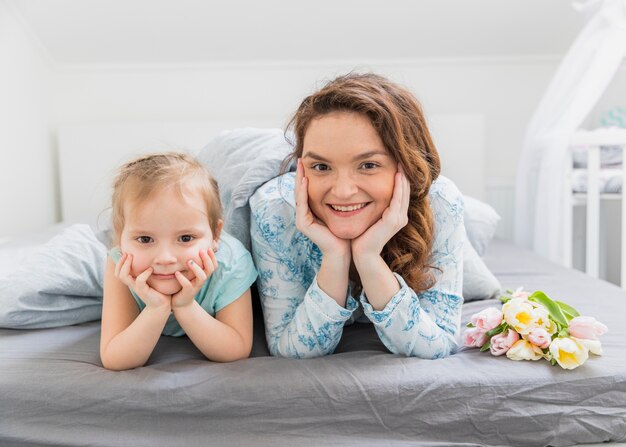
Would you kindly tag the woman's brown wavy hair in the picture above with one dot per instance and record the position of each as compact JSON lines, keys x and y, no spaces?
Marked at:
{"x":398,"y":118}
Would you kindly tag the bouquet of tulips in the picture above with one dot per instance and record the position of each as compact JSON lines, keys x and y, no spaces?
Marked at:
{"x":531,"y":326}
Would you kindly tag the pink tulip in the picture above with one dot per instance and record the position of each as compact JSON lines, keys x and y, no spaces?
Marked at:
{"x":540,"y":337}
{"x":586,"y":328}
{"x":502,"y":342}
{"x":487,"y":319}
{"x":474,"y":338}
{"x":520,"y":293}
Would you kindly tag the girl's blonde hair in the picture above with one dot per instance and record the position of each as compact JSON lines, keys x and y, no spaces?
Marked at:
{"x":141,"y":177}
{"x":398,"y":118}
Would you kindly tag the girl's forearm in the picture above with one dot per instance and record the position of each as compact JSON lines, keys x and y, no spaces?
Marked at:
{"x":216,"y":340}
{"x":132,"y":347}
{"x":379,"y":282}
{"x":333,"y":276}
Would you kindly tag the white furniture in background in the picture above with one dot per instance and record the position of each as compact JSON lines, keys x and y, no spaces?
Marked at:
{"x":591,"y":141}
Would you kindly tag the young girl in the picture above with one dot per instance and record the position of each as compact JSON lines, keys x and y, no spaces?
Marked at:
{"x":173,"y":271}
{"x":366,"y":229}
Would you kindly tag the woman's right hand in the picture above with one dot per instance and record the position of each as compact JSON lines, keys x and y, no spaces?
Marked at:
{"x":139,"y":285}
{"x":309,"y":225}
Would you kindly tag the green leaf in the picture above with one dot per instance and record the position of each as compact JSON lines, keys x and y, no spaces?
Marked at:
{"x":568,"y":315}
{"x":568,"y":310}
{"x":469,"y":325}
{"x":504,"y":298}
{"x":553,"y":308}
{"x":496,"y":330}
{"x":486,"y":346}
{"x":553,"y":361}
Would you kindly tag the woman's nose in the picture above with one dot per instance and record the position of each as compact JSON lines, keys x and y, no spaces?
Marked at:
{"x":344,"y":186}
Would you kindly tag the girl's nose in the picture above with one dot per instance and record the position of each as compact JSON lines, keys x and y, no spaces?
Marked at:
{"x":165,"y":256}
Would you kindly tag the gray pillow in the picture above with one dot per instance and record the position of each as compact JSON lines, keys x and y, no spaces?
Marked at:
{"x":478,"y":282}
{"x":241,"y":160}
{"x":60,"y":283}
{"x":481,"y":221}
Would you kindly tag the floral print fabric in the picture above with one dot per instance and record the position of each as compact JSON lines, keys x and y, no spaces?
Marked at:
{"x":302,"y":321}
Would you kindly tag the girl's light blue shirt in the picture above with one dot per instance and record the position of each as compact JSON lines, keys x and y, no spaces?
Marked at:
{"x":302,"y":321}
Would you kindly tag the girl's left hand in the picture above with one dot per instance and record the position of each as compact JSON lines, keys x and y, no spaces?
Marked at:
{"x":190,"y":289}
{"x":394,"y":218}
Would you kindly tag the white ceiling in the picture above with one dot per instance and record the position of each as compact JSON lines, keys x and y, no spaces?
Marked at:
{"x":197,"y":31}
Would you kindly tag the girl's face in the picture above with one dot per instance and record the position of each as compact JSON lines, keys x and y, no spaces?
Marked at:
{"x":165,"y":231}
{"x":351,"y":174}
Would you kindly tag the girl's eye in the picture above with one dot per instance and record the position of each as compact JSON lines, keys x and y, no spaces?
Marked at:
{"x":186,"y":238}
{"x":144,"y":239}
{"x":369,"y":165}
{"x":320,"y":167}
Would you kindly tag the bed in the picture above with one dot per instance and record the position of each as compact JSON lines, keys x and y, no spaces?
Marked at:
{"x":54,"y":391}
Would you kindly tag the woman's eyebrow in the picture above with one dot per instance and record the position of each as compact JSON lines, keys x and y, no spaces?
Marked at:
{"x":313,"y":155}
{"x":368,"y":154}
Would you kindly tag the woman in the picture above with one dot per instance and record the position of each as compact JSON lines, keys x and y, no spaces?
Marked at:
{"x":364,"y":230}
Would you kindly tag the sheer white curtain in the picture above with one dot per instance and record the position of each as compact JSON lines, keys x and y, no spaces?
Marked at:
{"x":580,"y":80}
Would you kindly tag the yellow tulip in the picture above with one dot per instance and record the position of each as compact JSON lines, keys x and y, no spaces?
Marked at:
{"x":568,"y":352}
{"x":592,"y":346}
{"x":524,"y":350}
{"x":520,"y":315}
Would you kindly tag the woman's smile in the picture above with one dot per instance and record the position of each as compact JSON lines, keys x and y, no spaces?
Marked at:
{"x":348,"y":210}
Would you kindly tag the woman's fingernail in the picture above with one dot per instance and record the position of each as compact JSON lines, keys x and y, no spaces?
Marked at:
{"x":191,"y":262}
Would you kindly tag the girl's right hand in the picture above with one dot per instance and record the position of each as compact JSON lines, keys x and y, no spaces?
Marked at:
{"x":311,"y":226}
{"x":139,"y":285}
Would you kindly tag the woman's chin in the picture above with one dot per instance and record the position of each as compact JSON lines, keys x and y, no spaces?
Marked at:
{"x":347,"y":232}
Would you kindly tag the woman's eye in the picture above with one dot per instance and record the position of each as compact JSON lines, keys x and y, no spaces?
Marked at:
{"x":320,"y":167}
{"x":144,"y":239}
{"x":369,"y":165}
{"x":186,"y":238}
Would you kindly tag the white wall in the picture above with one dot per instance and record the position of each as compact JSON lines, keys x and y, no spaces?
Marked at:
{"x":504,"y":90}
{"x":27,"y":194}
{"x":614,"y":96}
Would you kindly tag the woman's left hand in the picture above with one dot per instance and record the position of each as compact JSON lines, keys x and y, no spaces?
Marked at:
{"x":394,"y":218}
{"x":190,"y":288}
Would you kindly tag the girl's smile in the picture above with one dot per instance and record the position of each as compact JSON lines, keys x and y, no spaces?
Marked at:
{"x":165,"y":276}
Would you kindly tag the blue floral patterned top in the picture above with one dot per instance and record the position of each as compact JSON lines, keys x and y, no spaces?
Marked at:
{"x":302,"y":321}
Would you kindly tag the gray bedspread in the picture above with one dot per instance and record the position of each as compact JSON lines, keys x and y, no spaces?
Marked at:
{"x":54,"y":391}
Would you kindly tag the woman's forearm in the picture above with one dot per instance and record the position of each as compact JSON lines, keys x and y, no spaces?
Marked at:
{"x":424,"y":326}
{"x":333,"y":276}
{"x":378,"y":281}
{"x":132,"y":347}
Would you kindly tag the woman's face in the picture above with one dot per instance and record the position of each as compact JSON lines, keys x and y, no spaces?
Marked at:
{"x":351,"y":174}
